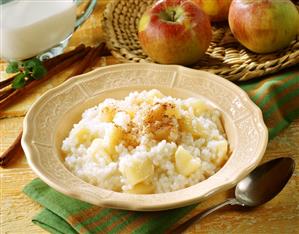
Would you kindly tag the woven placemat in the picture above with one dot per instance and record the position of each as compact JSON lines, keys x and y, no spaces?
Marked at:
{"x":225,"y":56}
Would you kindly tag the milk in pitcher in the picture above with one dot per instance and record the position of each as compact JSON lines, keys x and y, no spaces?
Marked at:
{"x":31,"y":27}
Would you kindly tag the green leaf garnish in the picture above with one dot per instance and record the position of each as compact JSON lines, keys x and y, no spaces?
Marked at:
{"x":38,"y":72}
{"x":19,"y":81}
{"x":13,"y":67}
{"x":32,"y":63}
{"x":28,"y":70}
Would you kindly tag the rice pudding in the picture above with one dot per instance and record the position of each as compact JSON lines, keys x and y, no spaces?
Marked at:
{"x":147,"y":143}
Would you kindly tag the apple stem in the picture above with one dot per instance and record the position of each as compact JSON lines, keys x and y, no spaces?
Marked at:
{"x":173,"y":16}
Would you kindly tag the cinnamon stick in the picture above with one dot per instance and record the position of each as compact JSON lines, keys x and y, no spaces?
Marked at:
{"x":4,"y":94}
{"x":60,"y":67}
{"x":11,"y":151}
{"x":6,"y":82}
{"x":100,"y":50}
{"x":52,"y":62}
{"x":49,"y":64}
{"x":89,"y":60}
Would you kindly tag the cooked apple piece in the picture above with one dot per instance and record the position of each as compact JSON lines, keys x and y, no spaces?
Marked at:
{"x":156,"y":113}
{"x":199,"y":107}
{"x":131,"y":112}
{"x":84,"y":136}
{"x":142,"y":188}
{"x":220,"y":151}
{"x":107,"y":114}
{"x":172,"y":110}
{"x":221,"y":148}
{"x":199,"y":130}
{"x":184,"y":162}
{"x":185,"y":124}
{"x":152,"y":94}
{"x":138,"y":171}
{"x":97,"y":149}
{"x":112,"y":138}
{"x":161,"y":133}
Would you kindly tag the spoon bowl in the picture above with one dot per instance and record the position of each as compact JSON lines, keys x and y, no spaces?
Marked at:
{"x":265,"y":182}
{"x":257,"y":188}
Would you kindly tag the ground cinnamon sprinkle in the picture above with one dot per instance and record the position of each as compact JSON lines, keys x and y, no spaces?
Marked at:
{"x":159,"y":123}
{"x":136,"y":144}
{"x":131,"y":136}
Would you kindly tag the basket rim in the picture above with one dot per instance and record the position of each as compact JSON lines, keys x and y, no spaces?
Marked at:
{"x":239,"y":71}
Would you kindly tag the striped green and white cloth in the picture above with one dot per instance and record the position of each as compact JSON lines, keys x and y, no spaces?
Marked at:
{"x":277,"y":96}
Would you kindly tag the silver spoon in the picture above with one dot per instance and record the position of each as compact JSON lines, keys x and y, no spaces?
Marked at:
{"x":259,"y":187}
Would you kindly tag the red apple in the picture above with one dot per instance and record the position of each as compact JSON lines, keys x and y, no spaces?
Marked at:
{"x":264,"y":26}
{"x":175,"y":32}
{"x":217,"y":10}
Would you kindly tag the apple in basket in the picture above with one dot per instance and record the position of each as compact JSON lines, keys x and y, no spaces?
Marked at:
{"x":264,"y":26}
{"x":175,"y":32}
{"x":217,"y":10}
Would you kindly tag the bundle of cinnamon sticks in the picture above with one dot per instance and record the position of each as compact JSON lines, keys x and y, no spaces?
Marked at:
{"x":84,"y":56}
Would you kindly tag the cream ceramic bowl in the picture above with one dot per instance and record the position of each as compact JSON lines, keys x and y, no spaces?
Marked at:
{"x":51,"y":118}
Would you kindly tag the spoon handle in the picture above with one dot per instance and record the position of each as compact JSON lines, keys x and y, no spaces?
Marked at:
{"x":201,"y":215}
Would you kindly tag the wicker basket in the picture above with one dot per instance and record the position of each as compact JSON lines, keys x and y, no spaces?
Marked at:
{"x":225,"y":56}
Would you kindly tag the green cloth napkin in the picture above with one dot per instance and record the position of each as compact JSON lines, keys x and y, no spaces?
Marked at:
{"x":277,"y":96}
